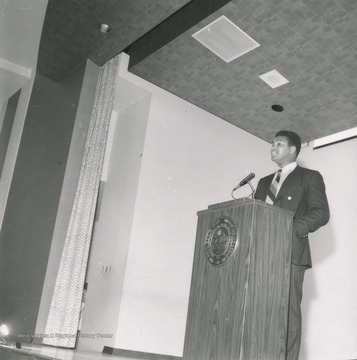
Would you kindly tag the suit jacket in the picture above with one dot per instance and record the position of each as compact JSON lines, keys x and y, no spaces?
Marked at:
{"x":302,"y":192}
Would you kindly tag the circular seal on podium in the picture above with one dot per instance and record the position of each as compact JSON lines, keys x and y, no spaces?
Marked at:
{"x":221,"y":241}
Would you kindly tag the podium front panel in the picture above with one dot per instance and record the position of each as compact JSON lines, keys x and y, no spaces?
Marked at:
{"x":238,"y":306}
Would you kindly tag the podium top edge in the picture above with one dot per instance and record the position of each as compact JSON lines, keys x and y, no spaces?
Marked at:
{"x":242,"y":202}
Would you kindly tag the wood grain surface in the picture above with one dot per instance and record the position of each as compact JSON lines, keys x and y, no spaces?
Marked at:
{"x":239,"y":310}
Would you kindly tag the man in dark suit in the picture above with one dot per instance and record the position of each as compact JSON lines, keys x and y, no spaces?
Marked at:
{"x":301,"y":191}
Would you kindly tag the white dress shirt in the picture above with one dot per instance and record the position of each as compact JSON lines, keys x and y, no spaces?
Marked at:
{"x":285,"y":171}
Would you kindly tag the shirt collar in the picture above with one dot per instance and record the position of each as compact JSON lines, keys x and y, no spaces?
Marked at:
{"x":289,"y":167}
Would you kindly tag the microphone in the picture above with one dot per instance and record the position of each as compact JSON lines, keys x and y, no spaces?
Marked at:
{"x":245,"y":181}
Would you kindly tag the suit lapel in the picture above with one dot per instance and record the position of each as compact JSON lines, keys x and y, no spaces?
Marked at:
{"x":288,"y":182}
{"x":265,"y":187}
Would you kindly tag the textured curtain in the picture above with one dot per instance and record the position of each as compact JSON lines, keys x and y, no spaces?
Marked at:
{"x":62,"y":322}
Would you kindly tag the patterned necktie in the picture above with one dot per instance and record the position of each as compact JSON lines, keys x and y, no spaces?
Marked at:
{"x":274,"y":186}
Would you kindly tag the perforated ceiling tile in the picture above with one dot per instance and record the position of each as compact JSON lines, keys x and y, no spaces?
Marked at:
{"x":312,"y":43}
{"x":225,"y":39}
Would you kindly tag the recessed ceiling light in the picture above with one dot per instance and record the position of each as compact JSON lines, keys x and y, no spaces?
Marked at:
{"x":104,"y":28}
{"x":277,"y":108}
{"x":274,"y":79}
{"x":225,"y":39}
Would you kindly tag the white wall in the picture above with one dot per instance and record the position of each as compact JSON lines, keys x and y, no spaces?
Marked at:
{"x":330,"y":288}
{"x":191,"y":159}
{"x":20,"y":29}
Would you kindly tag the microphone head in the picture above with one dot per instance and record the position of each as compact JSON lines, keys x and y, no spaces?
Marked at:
{"x":245,"y":180}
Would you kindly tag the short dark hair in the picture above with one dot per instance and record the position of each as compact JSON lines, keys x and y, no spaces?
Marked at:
{"x":293,"y":139}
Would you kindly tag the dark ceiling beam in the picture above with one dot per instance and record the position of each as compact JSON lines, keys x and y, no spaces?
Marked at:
{"x":179,"y":22}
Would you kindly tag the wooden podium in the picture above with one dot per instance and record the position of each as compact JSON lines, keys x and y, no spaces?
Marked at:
{"x":240,"y":283}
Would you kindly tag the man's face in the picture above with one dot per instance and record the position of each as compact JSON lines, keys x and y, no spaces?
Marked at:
{"x":281,"y":152}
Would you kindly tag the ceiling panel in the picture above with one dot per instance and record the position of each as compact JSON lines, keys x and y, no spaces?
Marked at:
{"x":71,"y":30}
{"x":310,"y":42}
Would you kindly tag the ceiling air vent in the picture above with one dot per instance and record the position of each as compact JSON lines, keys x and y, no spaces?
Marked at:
{"x":274,"y":79}
{"x":225,"y":39}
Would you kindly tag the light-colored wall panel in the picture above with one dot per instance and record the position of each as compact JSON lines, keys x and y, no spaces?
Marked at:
{"x":191,"y":159}
{"x":330,"y":289}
